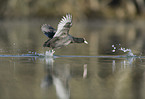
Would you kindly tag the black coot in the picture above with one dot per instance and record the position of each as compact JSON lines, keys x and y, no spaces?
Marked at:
{"x":60,"y":37}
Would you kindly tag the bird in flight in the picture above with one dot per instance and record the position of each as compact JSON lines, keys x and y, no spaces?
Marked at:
{"x":60,"y":37}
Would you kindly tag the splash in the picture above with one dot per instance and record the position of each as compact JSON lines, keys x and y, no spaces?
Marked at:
{"x":123,"y":49}
{"x":49,"y":53}
{"x":33,"y":53}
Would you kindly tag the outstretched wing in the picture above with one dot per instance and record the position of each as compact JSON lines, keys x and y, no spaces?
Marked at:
{"x":48,"y":30}
{"x":64,"y":26}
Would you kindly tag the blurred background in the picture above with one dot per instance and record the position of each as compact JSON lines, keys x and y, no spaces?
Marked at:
{"x":118,"y":9}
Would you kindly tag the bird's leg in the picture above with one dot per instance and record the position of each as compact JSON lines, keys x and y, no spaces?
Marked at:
{"x":44,"y":51}
{"x":50,"y":52}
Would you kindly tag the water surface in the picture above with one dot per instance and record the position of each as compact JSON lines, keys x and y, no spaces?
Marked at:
{"x":69,"y":76}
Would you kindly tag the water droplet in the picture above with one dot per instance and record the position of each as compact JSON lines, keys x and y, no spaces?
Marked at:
{"x":113,"y":50}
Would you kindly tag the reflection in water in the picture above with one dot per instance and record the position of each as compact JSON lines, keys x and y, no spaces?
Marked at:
{"x":106,"y":78}
{"x":116,"y":78}
{"x":127,"y":62}
{"x":59,"y":77}
{"x":85,"y":71}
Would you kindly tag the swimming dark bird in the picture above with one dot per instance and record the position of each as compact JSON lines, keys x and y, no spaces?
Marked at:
{"x":60,"y":37}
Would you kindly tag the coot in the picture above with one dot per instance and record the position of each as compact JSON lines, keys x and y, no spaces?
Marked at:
{"x":60,"y":37}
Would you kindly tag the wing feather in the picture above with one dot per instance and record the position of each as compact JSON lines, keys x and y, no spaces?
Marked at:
{"x":64,"y":26}
{"x":48,"y":30}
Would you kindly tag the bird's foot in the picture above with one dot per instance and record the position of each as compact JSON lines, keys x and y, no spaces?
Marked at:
{"x":52,"y":51}
{"x":49,"y":53}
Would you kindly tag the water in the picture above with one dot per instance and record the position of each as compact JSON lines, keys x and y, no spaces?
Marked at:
{"x":124,"y":50}
{"x":78,"y":71}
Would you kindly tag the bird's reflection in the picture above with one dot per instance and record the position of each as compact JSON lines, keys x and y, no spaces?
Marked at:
{"x":57,"y":76}
{"x":48,"y":79}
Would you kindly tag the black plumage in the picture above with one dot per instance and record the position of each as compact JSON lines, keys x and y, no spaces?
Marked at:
{"x":61,"y":37}
{"x":48,"y":30}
